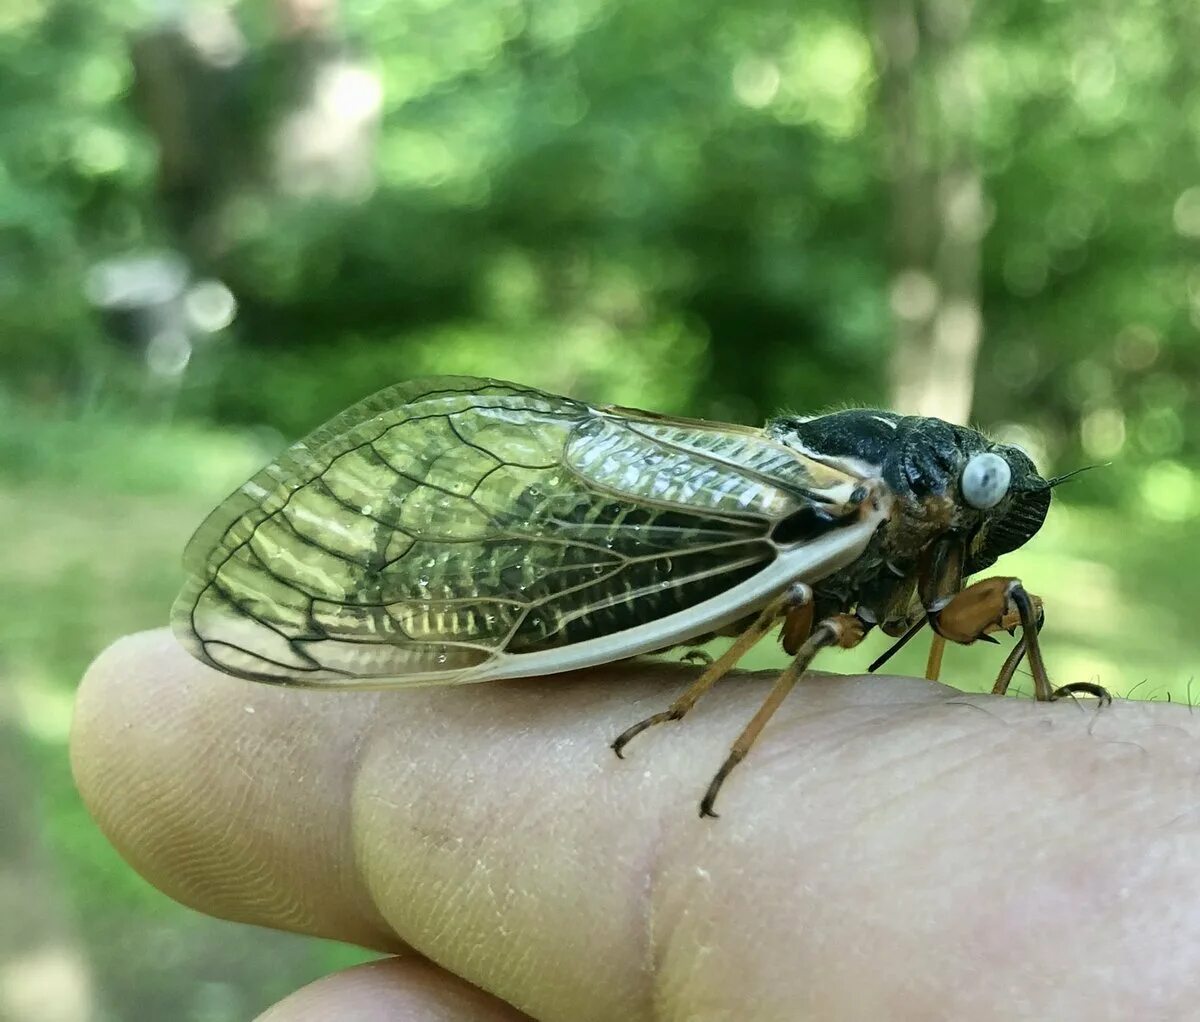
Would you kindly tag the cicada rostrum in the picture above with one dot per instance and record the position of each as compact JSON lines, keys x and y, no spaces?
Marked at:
{"x":455,"y":530}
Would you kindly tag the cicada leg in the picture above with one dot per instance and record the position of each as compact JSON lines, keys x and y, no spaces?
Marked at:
{"x":1003,"y":603}
{"x":1013,"y":661}
{"x":933,"y":663}
{"x":1009,"y":668}
{"x":843,"y":630}
{"x":798,"y":623}
{"x":795,"y":599}
{"x":937,"y":649}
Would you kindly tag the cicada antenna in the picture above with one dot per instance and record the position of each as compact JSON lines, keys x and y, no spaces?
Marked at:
{"x":1057,"y":480}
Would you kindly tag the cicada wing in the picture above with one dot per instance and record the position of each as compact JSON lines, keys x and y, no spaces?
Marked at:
{"x":451,"y":528}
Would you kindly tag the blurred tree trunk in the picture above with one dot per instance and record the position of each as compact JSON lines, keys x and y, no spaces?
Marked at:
{"x":296,"y":115}
{"x":938,"y":214}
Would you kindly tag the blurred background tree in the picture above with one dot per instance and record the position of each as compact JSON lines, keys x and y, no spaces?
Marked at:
{"x":221,"y":222}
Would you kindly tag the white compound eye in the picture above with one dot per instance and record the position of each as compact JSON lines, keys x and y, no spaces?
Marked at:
{"x":985,"y":480}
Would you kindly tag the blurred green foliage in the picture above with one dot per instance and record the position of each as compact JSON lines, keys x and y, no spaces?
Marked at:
{"x":683,"y":206}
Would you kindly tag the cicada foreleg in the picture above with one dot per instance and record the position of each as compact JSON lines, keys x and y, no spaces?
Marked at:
{"x":933,"y":663}
{"x":795,"y":601}
{"x":1004,"y":603}
{"x":845,"y":630}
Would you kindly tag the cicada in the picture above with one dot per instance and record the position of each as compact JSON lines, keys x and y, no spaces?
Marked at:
{"x":453,"y":530}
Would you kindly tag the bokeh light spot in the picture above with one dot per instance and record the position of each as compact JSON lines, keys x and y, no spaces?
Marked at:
{"x":1170,"y":491}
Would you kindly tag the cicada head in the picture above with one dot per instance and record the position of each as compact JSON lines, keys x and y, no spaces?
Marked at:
{"x":946,"y":478}
{"x":1016,"y":518}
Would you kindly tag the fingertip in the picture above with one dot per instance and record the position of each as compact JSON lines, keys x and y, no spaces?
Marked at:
{"x":230,"y":797}
{"x":391,"y":990}
{"x":103,"y":705}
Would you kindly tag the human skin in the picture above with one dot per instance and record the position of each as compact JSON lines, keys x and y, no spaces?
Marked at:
{"x":891,"y":848}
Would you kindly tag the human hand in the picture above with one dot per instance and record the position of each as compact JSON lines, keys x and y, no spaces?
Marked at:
{"x":890,"y":849}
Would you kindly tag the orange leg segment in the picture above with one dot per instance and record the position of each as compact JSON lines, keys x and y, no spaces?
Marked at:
{"x":937,"y":649}
{"x":1003,"y":603}
{"x":793,"y":600}
{"x":843,"y":630}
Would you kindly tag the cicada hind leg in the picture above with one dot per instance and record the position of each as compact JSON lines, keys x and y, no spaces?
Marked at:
{"x":845,"y":630}
{"x":796,"y":609}
{"x":1003,"y":603}
{"x":794,"y":604}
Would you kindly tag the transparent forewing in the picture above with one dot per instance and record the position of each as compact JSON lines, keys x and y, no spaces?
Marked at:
{"x":443,"y":524}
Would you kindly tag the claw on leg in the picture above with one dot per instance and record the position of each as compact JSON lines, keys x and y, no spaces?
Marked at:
{"x":1087,"y":688}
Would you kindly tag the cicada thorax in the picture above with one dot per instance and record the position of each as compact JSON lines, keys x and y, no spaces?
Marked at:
{"x":916,"y":560}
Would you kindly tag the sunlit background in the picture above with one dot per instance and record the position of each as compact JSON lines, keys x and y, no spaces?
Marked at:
{"x":222,"y":222}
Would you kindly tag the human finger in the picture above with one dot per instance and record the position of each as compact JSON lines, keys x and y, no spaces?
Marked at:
{"x":391,"y":990}
{"x":869,"y":857}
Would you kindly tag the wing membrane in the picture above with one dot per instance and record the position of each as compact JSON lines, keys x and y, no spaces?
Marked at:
{"x":442,"y":526}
